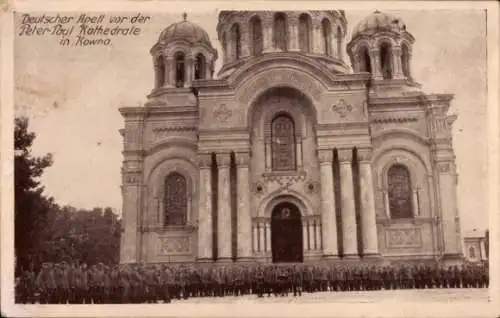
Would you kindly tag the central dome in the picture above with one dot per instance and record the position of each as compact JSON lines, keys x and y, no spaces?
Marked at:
{"x":185,"y":30}
{"x":378,"y":21}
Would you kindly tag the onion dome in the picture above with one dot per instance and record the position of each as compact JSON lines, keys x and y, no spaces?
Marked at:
{"x":377,"y":22}
{"x":185,"y":30}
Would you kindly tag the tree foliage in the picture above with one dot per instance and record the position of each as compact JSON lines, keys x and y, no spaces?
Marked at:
{"x":45,"y":231}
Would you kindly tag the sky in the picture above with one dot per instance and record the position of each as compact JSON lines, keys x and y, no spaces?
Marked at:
{"x":72,"y":96}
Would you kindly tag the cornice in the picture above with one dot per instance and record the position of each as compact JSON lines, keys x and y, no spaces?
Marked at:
{"x":387,"y":120}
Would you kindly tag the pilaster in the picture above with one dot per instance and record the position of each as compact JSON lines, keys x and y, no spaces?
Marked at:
{"x":205,"y":207}
{"x":328,"y":217}
{"x":367,"y":204}
{"x":349,"y":229}
{"x":244,"y":219}
{"x":224,"y":204}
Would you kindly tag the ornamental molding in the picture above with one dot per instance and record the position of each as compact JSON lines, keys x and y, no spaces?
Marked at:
{"x":403,"y":237}
{"x":284,"y":180}
{"x":342,"y":107}
{"x":388,"y":120}
{"x":222,"y":113}
{"x":173,"y":128}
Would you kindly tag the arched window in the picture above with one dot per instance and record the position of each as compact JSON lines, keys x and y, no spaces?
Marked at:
{"x":339,"y":41}
{"x":200,"y":67}
{"x":179,"y":69}
{"x":283,"y":143}
{"x":399,"y":192}
{"x":472,"y":252}
{"x":236,"y":41}
{"x":175,"y":200}
{"x":257,"y":40}
{"x":326,"y":28}
{"x":280,"y":32}
{"x":160,"y":71}
{"x":364,"y":60}
{"x":405,"y":61}
{"x":386,"y":61}
{"x":304,"y":33}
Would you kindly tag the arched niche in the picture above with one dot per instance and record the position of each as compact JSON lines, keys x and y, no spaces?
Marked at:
{"x":273,"y":199}
{"x":155,"y":190}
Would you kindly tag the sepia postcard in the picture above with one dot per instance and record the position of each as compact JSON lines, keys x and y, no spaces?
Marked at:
{"x":254,"y":159}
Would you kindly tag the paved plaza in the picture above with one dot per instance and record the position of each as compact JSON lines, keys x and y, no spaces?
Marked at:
{"x":398,"y":296}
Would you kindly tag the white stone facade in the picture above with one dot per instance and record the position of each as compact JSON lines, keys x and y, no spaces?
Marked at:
{"x":349,"y":129}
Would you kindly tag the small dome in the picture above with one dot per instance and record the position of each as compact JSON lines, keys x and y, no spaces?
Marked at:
{"x":378,"y":21}
{"x":185,"y":30}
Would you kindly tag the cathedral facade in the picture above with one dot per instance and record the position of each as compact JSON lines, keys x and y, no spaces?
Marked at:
{"x":289,"y":154}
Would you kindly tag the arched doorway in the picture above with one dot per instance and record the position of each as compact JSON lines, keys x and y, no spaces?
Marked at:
{"x":286,"y":233}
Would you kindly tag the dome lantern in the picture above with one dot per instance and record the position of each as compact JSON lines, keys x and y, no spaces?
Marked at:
{"x":381,"y":45}
{"x":183,"y":53}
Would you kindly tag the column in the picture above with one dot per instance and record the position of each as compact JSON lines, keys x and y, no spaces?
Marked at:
{"x":170,"y":72}
{"x":189,"y":72}
{"x":349,"y":239}
{"x":317,"y":223}
{"x":367,"y":204}
{"x":396,"y":63}
{"x":205,"y":208}
{"x":293,"y":33}
{"x":268,"y":154}
{"x":416,"y":208}
{"x":255,"y":237}
{"x":299,"y":151}
{"x":318,"y":46}
{"x":267,"y":34}
{"x":305,"y":238}
{"x":329,"y":221}
{"x":244,"y":219}
{"x":268,"y":237}
{"x":375,"y":63}
{"x":131,"y":210}
{"x":386,"y":204}
{"x":245,"y":40}
{"x":262,"y":237}
{"x":335,"y":52}
{"x":224,"y":204}
{"x":312,"y":241}
{"x":208,"y":70}
{"x":449,"y":213}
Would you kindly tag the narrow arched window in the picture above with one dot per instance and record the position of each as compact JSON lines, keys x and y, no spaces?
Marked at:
{"x":405,"y":61}
{"x":257,"y":40}
{"x":399,"y":192}
{"x":280,"y":32}
{"x":236,"y":41}
{"x":175,"y":200}
{"x":304,"y":33}
{"x":180,"y":69}
{"x":472,"y":252}
{"x":283,"y":143}
{"x":200,"y":67}
{"x":386,"y":61}
{"x":364,"y":60}
{"x":339,"y":41}
{"x":326,"y":29}
{"x":160,"y":71}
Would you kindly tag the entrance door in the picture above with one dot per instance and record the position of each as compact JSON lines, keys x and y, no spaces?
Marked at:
{"x":286,"y":233}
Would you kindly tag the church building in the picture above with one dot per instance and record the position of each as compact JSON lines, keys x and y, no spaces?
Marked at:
{"x":289,"y":153}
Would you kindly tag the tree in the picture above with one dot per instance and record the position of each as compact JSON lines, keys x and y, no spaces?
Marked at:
{"x":487,"y":244}
{"x":31,"y":206}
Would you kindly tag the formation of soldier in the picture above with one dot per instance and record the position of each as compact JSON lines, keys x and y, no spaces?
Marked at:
{"x":64,"y":283}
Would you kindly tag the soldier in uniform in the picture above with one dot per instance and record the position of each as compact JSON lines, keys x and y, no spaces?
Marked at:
{"x":46,"y":284}
{"x":297,"y":281}
{"x":259,"y":279}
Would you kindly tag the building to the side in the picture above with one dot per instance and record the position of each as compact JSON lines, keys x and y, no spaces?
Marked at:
{"x":289,"y":154}
{"x":476,"y":246}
